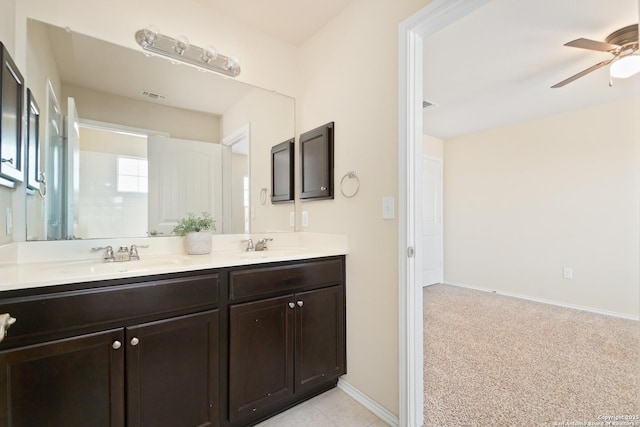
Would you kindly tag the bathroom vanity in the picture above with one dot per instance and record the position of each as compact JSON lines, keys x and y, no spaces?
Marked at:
{"x":204,"y":346}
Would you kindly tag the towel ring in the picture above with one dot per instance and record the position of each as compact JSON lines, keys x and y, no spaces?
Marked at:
{"x":350,"y":175}
{"x":42,"y":189}
{"x":263,"y":196}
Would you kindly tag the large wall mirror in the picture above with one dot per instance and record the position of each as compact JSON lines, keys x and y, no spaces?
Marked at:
{"x":130,"y":143}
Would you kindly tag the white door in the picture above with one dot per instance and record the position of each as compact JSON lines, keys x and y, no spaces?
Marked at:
{"x":184,"y":176}
{"x":72,"y":170}
{"x":431,"y":221}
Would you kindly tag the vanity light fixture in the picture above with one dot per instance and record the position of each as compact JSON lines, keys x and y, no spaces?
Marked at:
{"x":179,"y":49}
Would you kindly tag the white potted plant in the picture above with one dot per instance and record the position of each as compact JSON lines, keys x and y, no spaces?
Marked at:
{"x":197,"y":232}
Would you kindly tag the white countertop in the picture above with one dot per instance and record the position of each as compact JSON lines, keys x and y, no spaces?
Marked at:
{"x":27,"y":265}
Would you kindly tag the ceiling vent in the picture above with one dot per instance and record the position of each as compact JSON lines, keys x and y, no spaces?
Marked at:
{"x":428,"y":104}
{"x":154,"y":96}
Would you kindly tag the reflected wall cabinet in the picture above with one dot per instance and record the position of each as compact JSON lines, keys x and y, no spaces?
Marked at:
{"x":282,"y":172}
{"x":316,"y":151}
{"x":33,"y":143}
{"x":11,"y":95}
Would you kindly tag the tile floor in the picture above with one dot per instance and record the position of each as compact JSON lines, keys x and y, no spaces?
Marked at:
{"x":333,"y":408}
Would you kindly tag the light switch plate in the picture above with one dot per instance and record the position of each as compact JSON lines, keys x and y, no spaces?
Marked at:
{"x":9,"y":221}
{"x":388,"y":207}
{"x":305,"y":218}
{"x":292,"y":219}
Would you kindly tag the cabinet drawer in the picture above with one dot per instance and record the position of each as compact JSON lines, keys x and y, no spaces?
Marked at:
{"x":68,"y":313}
{"x":265,"y":280}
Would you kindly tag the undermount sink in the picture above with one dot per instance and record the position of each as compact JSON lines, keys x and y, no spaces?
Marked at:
{"x":100,"y":267}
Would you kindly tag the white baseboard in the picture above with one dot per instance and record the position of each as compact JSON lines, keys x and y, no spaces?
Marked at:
{"x":381,"y":412}
{"x":551,"y":302}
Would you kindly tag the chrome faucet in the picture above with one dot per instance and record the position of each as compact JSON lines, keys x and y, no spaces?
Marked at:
{"x":261,"y":245}
{"x":108,"y":253}
{"x":250,"y":246}
{"x":133,"y":252}
{"x":123,"y":254}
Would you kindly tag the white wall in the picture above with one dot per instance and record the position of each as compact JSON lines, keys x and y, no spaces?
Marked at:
{"x":432,"y":147}
{"x":348,"y":73}
{"x":271,"y":122}
{"x":524,"y":201}
{"x":109,"y":108}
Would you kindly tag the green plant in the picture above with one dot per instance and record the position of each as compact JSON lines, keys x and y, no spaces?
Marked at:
{"x":194,"y":223}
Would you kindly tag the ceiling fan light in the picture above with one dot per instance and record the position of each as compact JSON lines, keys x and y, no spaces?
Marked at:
{"x":625,"y":67}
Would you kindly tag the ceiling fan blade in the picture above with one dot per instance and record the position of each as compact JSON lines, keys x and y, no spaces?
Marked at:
{"x":583,"y":73}
{"x":592,"y":45}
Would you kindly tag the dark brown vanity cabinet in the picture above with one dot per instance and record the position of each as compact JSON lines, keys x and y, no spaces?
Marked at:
{"x":227,"y":347}
{"x":284,"y":348}
{"x":164,"y":372}
{"x":72,"y":382}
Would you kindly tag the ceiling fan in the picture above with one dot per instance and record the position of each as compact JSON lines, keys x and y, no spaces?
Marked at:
{"x":621,"y":44}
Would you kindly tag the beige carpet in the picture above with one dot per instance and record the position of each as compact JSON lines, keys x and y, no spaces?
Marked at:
{"x":492,"y":360}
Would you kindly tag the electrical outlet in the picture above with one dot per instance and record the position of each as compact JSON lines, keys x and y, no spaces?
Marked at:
{"x":292,"y":219}
{"x":567,"y":273}
{"x":305,"y":218}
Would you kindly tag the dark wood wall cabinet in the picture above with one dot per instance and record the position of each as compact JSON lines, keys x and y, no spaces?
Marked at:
{"x":225,"y":347}
{"x":316,"y":152}
{"x":282,"y":176}
{"x":11,"y":107}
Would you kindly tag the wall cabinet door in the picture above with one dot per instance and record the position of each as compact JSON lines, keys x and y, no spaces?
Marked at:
{"x":172,"y":372}
{"x":320,"y":337}
{"x":77,"y":381}
{"x":316,"y":164}
{"x":260,"y":355}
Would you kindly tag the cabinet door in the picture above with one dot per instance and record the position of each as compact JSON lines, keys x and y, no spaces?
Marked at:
{"x":320,"y":336}
{"x":260,"y":355}
{"x":77,"y":381}
{"x":173,"y":371}
{"x":316,"y":151}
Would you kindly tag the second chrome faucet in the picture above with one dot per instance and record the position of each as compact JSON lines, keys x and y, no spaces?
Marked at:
{"x":123,"y":254}
{"x":260,"y":245}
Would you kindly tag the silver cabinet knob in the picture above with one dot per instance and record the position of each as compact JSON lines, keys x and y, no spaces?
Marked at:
{"x":134,"y":341}
{"x":116,"y":345}
{"x":292,"y":305}
{"x":300,"y":303}
{"x":5,"y":322}
{"x":323,"y":188}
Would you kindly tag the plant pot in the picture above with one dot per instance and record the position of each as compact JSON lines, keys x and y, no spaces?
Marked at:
{"x":198,"y":242}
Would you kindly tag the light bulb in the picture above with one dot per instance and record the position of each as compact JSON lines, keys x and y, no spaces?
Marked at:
{"x":232,"y":62}
{"x":209,"y":54}
{"x":150,"y":35}
{"x":625,"y":67}
{"x":182,"y":44}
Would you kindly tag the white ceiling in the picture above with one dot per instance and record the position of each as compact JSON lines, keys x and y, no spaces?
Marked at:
{"x":495,"y":66}
{"x":293,"y":21}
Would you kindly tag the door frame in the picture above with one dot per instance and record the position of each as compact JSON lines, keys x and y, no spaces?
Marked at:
{"x":411,"y":32}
